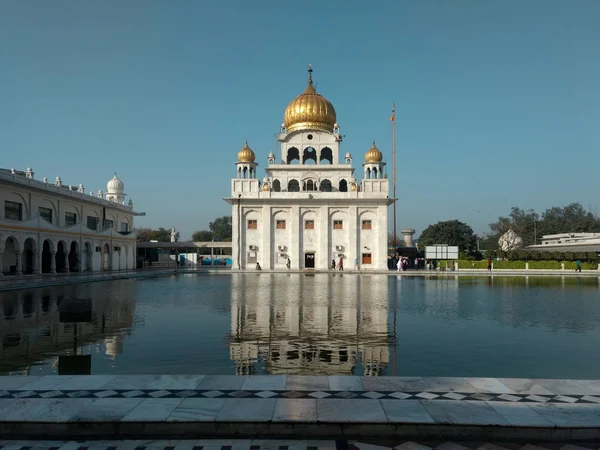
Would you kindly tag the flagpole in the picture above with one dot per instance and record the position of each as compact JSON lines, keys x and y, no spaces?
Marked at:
{"x":394,"y":165}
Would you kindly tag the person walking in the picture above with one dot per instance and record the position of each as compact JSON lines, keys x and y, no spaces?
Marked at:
{"x":489,"y":264}
{"x":399,"y":265}
{"x":341,"y":264}
{"x":578,"y":269}
{"x":288,"y":264}
{"x":333,"y":264}
{"x":356,"y":264}
{"x":416,"y":263}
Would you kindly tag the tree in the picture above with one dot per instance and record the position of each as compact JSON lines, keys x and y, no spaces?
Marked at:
{"x":221,"y":228}
{"x":530,"y":226}
{"x":522,"y":222}
{"x":202,"y":236}
{"x":160,"y":235}
{"x":399,"y":241}
{"x":451,"y":232}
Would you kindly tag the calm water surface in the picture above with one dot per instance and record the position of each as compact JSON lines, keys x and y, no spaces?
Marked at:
{"x":317,"y":324}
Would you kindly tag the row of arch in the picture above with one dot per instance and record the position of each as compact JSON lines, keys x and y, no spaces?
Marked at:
{"x":324,"y":185}
{"x":309,"y":156}
{"x":62,"y":256}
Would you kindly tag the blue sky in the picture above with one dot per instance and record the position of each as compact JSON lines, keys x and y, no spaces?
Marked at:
{"x":498,"y":102}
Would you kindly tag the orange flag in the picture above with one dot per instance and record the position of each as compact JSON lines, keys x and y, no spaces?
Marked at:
{"x":393,"y":118}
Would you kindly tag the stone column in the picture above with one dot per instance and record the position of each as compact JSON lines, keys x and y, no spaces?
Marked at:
{"x":66,"y":262}
{"x":19,"y":269}
{"x":354,"y":242}
{"x":35,"y":269}
{"x":52,"y":262}
{"x":80,"y":261}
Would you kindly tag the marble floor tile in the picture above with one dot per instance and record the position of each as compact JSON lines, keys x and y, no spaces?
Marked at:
{"x":593,"y":385}
{"x":45,"y":383}
{"x":524,"y":386}
{"x":463,"y":412}
{"x":77,"y":382}
{"x":489,"y":385}
{"x":448,"y":384}
{"x":403,"y":384}
{"x":131,"y":381}
{"x":61,"y":410}
{"x":411,"y":446}
{"x":365,"y":446}
{"x":407,"y":411}
{"x":352,"y":410}
{"x":571,"y":415}
{"x":345,"y":383}
{"x":15,"y":382}
{"x":565,"y":387}
{"x":227,"y":382}
{"x":176,"y":382}
{"x":111,"y":409}
{"x":520,"y":414}
{"x":22,"y":409}
{"x":153,"y":410}
{"x":307,"y":383}
{"x":197,"y":410}
{"x":264,"y":382}
{"x":247,"y":410}
{"x":295,"y":410}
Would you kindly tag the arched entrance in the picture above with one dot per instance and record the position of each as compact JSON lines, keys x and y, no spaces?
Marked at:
{"x":47,"y":257}
{"x":343,"y":186}
{"x":105,"y":257}
{"x":74,"y":257}
{"x":29,"y":256}
{"x":10,"y":257}
{"x":61,"y":258}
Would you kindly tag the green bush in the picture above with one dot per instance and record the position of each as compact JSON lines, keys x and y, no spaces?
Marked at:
{"x":518,"y":265}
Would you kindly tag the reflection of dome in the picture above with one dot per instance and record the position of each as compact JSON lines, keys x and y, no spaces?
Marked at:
{"x":246,"y":154}
{"x":115,"y":186}
{"x":309,"y":111}
{"x":373,"y":155}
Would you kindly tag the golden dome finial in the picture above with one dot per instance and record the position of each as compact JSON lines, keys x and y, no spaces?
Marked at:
{"x":373,"y":155}
{"x":246,"y":154}
{"x":310,"y":110}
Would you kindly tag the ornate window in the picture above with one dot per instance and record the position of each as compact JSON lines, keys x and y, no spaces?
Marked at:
{"x":252,"y":224}
{"x":13,"y":210}
{"x":293,"y":186}
{"x":309,"y":224}
{"x":338,"y":224}
{"x":280,"y":224}
{"x":366,"y":258}
{"x":70,"y":218}
{"x":366,"y":224}
{"x":46,"y":213}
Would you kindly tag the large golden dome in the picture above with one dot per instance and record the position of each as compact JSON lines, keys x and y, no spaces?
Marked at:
{"x":373,"y":155}
{"x":246,"y":154}
{"x":309,"y":111}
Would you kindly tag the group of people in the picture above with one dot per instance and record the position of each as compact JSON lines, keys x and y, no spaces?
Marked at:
{"x":340,"y":265}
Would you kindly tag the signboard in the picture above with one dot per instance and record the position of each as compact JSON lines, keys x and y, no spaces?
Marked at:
{"x":441,"y":252}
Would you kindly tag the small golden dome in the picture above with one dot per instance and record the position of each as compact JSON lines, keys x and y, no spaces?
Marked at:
{"x":265,"y":187}
{"x":373,"y":155}
{"x":246,"y":154}
{"x":309,"y":111}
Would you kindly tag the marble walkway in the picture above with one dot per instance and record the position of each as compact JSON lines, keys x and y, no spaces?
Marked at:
{"x":196,"y":406}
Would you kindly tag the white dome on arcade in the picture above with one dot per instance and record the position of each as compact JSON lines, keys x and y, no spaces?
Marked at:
{"x":115,"y":185}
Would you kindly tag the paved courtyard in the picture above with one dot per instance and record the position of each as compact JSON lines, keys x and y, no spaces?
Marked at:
{"x":197,"y":406}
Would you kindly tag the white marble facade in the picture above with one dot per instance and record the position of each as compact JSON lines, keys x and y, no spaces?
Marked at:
{"x":309,"y":208}
{"x":49,"y":227}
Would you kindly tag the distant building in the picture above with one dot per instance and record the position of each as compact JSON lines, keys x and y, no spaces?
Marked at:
{"x":569,"y":242}
{"x":51,"y":227}
{"x":510,"y":241}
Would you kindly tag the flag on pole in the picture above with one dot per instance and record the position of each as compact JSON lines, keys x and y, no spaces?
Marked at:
{"x":393,"y":118}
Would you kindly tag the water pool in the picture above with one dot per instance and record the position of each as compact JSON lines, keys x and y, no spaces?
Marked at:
{"x":319,"y":324}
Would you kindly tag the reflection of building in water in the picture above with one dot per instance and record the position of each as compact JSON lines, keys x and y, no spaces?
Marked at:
{"x":38,"y":324}
{"x":311,"y":325}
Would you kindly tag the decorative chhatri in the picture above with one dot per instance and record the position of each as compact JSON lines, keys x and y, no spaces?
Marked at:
{"x":373,"y":155}
{"x":246,"y":154}
{"x":310,"y":110}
